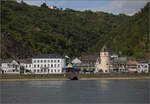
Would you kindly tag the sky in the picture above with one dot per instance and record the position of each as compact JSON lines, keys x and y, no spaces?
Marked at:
{"x":128,"y":7}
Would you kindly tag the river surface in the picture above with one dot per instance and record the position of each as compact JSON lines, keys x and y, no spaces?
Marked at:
{"x":75,"y":92}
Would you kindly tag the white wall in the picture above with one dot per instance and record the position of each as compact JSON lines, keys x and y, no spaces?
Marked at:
{"x":10,"y":68}
{"x":48,"y":65}
{"x":143,"y":67}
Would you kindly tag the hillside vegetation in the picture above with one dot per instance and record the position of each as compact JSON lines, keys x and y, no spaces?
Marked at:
{"x":30,"y":30}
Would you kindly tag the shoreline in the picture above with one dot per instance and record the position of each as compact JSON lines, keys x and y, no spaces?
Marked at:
{"x":65,"y":79}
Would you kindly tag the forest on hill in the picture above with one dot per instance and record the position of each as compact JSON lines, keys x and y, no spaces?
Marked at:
{"x":30,"y":30}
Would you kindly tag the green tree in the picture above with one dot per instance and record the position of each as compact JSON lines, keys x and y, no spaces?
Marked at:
{"x":44,"y":5}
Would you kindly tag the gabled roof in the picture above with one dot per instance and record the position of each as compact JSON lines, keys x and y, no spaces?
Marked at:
{"x":14,"y":62}
{"x":10,"y":61}
{"x":76,"y":60}
{"x":26,"y":61}
{"x":49,"y":56}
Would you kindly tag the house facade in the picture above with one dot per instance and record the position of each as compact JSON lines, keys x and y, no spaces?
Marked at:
{"x":85,"y":63}
{"x":9,"y":67}
{"x":26,"y":66}
{"x":48,"y":64}
{"x":142,"y":66}
{"x":132,"y":65}
{"x":119,"y":64}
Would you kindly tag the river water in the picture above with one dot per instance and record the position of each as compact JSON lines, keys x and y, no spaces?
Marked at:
{"x":75,"y":92}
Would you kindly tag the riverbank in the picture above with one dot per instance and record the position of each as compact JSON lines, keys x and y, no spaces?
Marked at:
{"x":65,"y":79}
{"x":109,"y":76}
{"x":62,"y":79}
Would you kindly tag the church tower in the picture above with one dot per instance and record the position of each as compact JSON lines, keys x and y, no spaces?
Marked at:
{"x":104,"y":59}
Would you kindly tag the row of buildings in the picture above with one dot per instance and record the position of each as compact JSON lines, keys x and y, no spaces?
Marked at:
{"x":41,"y":64}
{"x":105,"y":62}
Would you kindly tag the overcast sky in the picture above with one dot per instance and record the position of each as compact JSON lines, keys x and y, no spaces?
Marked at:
{"x":128,"y":7}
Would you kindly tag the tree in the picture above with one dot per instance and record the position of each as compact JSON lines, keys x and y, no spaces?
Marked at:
{"x":44,"y":5}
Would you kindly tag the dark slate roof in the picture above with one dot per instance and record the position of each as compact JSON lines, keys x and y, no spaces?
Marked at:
{"x":104,"y":49}
{"x":120,"y":60}
{"x":49,"y":56}
{"x":27,"y":61}
{"x":142,"y":60}
{"x":89,"y":58}
{"x":5,"y":61}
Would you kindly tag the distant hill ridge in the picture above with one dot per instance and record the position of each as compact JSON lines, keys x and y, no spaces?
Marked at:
{"x":31,"y":30}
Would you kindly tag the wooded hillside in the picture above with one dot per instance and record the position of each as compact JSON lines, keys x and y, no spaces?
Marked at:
{"x":30,"y":30}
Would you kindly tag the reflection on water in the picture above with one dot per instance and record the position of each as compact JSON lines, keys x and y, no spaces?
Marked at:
{"x":43,"y":84}
{"x":103,"y":84}
{"x":75,"y":92}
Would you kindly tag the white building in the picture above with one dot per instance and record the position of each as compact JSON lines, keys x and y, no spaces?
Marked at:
{"x":76,"y":61}
{"x":104,"y":60}
{"x":113,"y":56}
{"x":142,"y":67}
{"x":9,"y":67}
{"x":41,"y":64}
{"x":48,"y":64}
{"x":26,"y":66}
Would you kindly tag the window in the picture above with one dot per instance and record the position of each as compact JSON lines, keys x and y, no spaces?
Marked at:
{"x":55,"y":70}
{"x":45,"y":65}
{"x":58,"y":60}
{"x":54,"y":60}
{"x":26,"y":66}
{"x":48,"y":70}
{"x":51,"y":60}
{"x":44,"y":60}
{"x":48,"y":65}
{"x":30,"y":66}
{"x":145,"y":66}
{"x":51,"y":65}
{"x":38,"y":71}
{"x":41,"y":60}
{"x":58,"y":65}
{"x":41,"y":65}
{"x":138,"y":66}
{"x":48,"y":60}
{"x":34,"y":61}
{"x":55,"y":65}
{"x":38,"y":61}
{"x":38,"y":65}
{"x":35,"y":66}
{"x":41,"y":70}
{"x":34,"y":70}
{"x":44,"y":70}
{"x":58,"y":70}
{"x":52,"y":70}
